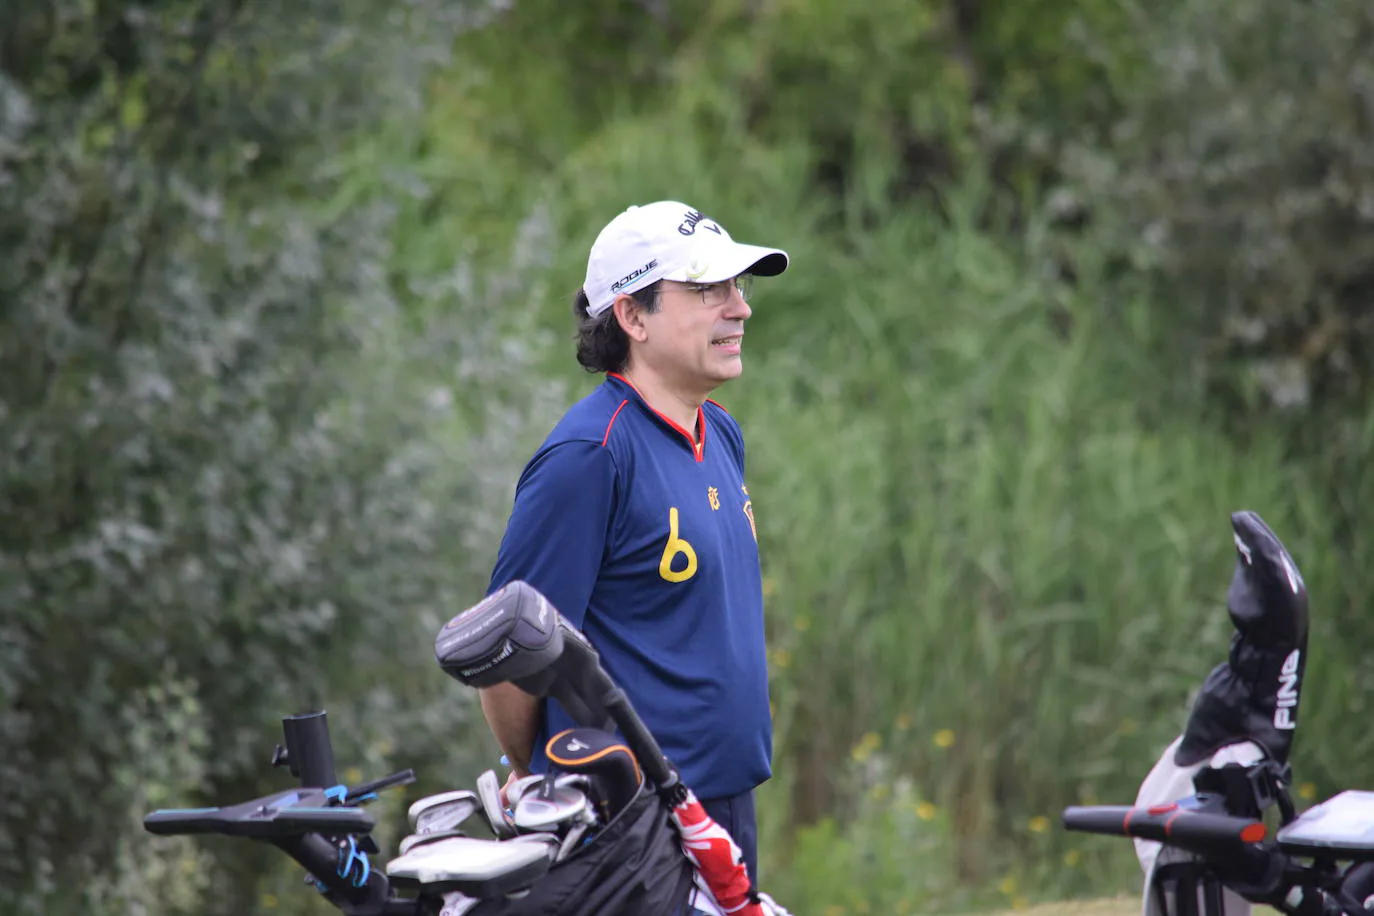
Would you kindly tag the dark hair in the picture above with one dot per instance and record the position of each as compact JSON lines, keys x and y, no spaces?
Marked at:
{"x":602,"y":344}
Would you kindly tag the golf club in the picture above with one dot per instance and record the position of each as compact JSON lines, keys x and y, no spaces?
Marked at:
{"x":444,"y":811}
{"x":536,"y":813}
{"x":489,"y":793}
{"x":611,"y":768}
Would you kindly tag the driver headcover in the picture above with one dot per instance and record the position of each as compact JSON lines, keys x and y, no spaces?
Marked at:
{"x":1253,"y":695}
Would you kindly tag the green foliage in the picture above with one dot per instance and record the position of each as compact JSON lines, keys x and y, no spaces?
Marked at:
{"x":1240,"y":172}
{"x":887,"y":854}
{"x":994,"y":534}
{"x":221,"y":477}
{"x":284,"y":308}
{"x":999,"y":570}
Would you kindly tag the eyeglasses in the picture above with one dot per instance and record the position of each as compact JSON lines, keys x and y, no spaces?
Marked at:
{"x":714,"y":295}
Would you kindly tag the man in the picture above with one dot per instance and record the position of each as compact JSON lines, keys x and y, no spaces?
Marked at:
{"x":634,"y":518}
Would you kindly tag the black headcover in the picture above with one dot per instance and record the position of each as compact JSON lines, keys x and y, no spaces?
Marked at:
{"x":604,"y":758}
{"x":512,"y":635}
{"x":515,"y":636}
{"x":1253,"y":695}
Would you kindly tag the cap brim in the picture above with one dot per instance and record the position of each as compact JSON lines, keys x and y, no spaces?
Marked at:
{"x":770,"y":263}
{"x":735,"y":260}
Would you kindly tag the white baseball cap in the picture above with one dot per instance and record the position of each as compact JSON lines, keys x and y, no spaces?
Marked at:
{"x":668,"y":240}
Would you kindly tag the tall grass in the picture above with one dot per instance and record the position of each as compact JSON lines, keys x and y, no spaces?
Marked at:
{"x":995,"y":560}
{"x":992,"y":562}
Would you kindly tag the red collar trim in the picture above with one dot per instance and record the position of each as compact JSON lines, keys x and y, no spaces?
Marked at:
{"x":698,"y":448}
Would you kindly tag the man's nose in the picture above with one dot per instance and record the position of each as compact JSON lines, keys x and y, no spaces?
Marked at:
{"x":737,"y":307}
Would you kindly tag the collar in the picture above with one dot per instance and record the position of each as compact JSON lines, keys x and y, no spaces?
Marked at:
{"x":698,"y":447}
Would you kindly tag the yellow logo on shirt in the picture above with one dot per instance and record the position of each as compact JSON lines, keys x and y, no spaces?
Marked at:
{"x":749,"y":513}
{"x":676,"y":547}
{"x":713,"y":497}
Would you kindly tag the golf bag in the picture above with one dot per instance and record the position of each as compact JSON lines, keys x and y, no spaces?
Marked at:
{"x":515,"y":636}
{"x":1246,"y":711}
{"x":634,"y":865}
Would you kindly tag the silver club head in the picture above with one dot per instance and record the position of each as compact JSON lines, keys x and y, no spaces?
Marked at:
{"x":549,"y":841}
{"x":418,"y":839}
{"x":537,"y":813}
{"x":541,"y":784}
{"x":444,"y":811}
{"x":577,"y":781}
{"x":522,"y":785}
{"x":489,"y":794}
{"x":572,"y":840}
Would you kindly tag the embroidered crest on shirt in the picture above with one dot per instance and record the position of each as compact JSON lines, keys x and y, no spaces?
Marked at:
{"x":749,"y":513}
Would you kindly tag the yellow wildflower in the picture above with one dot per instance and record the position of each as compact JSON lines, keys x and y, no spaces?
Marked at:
{"x":869,"y":743}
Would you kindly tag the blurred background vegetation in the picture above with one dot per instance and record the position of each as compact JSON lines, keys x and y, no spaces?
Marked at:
{"x":284,"y":307}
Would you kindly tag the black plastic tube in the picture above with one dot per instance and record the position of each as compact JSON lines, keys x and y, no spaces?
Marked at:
{"x":308,"y":751}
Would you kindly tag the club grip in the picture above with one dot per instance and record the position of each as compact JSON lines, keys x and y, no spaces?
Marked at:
{"x":1197,"y":831}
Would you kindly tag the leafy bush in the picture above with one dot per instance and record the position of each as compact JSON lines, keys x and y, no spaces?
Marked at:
{"x":1241,"y":173}
{"x":222,"y":474}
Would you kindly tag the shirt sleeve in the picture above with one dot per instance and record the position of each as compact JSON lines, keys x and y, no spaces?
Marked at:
{"x":557,"y":533}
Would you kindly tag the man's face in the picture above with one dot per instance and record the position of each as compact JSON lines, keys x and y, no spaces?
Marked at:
{"x":694,"y":339}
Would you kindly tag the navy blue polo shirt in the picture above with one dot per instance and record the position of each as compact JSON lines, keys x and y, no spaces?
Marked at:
{"x":643,"y":537}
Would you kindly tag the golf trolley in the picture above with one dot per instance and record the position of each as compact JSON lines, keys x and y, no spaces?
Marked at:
{"x":1199,"y":821}
{"x":1314,"y":864}
{"x":593,"y":835}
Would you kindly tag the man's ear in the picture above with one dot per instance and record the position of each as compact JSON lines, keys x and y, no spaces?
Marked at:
{"x":630,"y":314}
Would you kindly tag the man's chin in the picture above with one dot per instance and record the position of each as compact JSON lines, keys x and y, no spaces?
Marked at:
{"x":729,"y":369}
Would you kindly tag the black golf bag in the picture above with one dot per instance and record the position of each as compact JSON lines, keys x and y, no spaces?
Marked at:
{"x":633,"y":865}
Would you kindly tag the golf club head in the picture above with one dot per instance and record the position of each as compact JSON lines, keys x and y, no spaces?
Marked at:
{"x":512,"y":635}
{"x":477,"y":868}
{"x":614,"y":776}
{"x":578,"y":781}
{"x":489,"y":794}
{"x":1253,"y":695}
{"x":550,"y":842}
{"x":536,"y":814}
{"x":416,"y":839}
{"x":576,"y":834}
{"x":554,"y":780}
{"x":515,"y":635}
{"x":520,"y":787}
{"x":444,"y":811}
